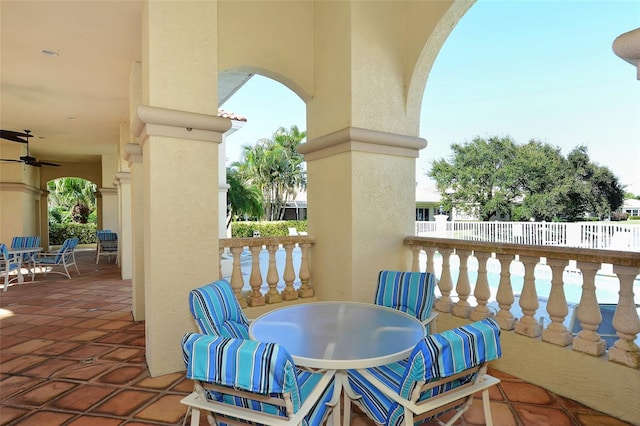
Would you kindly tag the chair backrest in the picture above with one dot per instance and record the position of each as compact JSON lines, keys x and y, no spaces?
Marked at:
{"x":4,"y":252}
{"x":217,"y":311}
{"x":66,"y":250}
{"x":409,"y":292}
{"x":106,"y":235}
{"x":247,"y":365}
{"x":25,"y":242}
{"x":447,"y":354}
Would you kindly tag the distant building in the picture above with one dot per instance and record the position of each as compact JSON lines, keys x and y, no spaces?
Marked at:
{"x":631,"y":207}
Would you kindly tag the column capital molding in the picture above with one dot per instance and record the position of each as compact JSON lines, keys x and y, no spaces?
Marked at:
{"x":154,"y":121}
{"x":627,"y":47}
{"x":107,"y":191}
{"x":352,"y":139}
{"x":122,"y":178}
{"x":132,"y":153}
{"x":18,"y":186}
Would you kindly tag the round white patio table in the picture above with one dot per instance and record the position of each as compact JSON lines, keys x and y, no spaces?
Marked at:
{"x":340,"y":335}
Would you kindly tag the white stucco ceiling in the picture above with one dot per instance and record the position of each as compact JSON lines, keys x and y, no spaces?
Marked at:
{"x":73,"y":102}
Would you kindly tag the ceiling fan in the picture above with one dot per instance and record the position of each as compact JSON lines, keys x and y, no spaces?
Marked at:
{"x":23,"y":138}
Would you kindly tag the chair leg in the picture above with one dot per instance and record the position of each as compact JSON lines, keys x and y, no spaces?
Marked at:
{"x":486,"y":405}
{"x":195,"y":416}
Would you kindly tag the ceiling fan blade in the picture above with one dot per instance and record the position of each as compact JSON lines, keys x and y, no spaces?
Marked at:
{"x":10,"y":160}
{"x":10,"y":135}
{"x":45,"y":163}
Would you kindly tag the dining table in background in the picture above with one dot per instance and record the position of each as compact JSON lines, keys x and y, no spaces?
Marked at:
{"x":19,"y":253}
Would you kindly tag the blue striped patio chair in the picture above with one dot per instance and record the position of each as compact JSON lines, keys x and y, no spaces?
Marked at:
{"x":410,"y":292}
{"x":442,"y":374}
{"x":7,"y":264}
{"x":27,"y":258}
{"x":240,"y":381}
{"x":217,"y":311}
{"x":106,"y":245}
{"x":64,"y":258}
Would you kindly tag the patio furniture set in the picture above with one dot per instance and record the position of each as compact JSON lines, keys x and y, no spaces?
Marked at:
{"x":293,"y":365}
{"x":26,"y":253}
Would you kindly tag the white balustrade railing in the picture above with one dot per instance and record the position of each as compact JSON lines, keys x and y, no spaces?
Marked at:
{"x":529,"y":258}
{"x":612,"y":235}
{"x":287,"y":276}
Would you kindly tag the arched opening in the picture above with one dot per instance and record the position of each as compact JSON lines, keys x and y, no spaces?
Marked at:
{"x":273,"y":114}
{"x":72,"y":208}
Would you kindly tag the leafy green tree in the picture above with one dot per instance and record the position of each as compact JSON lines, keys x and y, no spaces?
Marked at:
{"x":530,"y":182}
{"x":538,"y":168}
{"x":595,"y":189}
{"x":71,"y":199}
{"x":275,"y":166}
{"x":479,"y":180}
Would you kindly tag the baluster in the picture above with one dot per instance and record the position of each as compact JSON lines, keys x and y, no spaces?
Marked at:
{"x":528,"y":325}
{"x":220,"y":253}
{"x":415,"y":257}
{"x":443,"y":304}
{"x":481,"y":292}
{"x":588,"y":340}
{"x":289,"y":293}
{"x":625,"y":320}
{"x":305,"y":289}
{"x":431,"y":252}
{"x":556,"y":332}
{"x":255,"y":298}
{"x":463,"y":288}
{"x":237,"y":283}
{"x":504,"y":296}
{"x":272,"y":295}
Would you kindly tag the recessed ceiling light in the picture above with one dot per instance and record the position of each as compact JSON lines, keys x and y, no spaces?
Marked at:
{"x":49,"y":52}
{"x":72,"y":118}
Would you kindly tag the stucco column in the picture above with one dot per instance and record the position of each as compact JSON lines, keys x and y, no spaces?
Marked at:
{"x":180,"y":180}
{"x":133,"y":154}
{"x":109,"y":209}
{"x":123,"y":184}
{"x":361,"y":198}
{"x":179,"y":131}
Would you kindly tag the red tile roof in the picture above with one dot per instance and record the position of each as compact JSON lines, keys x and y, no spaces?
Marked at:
{"x":230,"y":115}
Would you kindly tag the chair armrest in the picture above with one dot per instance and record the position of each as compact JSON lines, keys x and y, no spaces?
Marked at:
{"x":429,"y":321}
{"x":484,"y":382}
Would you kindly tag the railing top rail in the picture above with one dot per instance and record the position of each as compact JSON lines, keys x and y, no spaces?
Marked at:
{"x":618,"y":257}
{"x":265,"y":241}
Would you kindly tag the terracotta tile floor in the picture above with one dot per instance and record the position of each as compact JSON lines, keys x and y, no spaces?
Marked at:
{"x":71,"y":354}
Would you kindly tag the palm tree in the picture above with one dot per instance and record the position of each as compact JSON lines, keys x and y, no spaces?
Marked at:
{"x":243,"y":199}
{"x":274,"y":166}
{"x":73,"y":196}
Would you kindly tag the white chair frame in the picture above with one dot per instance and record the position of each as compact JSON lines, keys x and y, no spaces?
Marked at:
{"x":226,"y":413}
{"x":415,"y":410}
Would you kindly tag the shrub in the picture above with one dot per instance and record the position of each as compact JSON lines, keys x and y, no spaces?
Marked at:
{"x":619,"y":216}
{"x":266,"y":229}
{"x":85,"y":232}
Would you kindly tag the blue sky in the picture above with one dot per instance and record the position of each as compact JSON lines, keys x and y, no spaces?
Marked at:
{"x":539,"y":69}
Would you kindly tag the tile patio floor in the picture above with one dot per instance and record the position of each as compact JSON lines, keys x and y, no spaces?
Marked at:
{"x":71,"y":354}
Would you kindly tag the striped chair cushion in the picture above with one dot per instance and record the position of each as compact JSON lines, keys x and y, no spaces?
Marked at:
{"x":409,"y":292}
{"x":263,"y":368}
{"x":217,"y":311}
{"x":65,"y":250}
{"x":434,"y":357}
{"x":24,"y":242}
